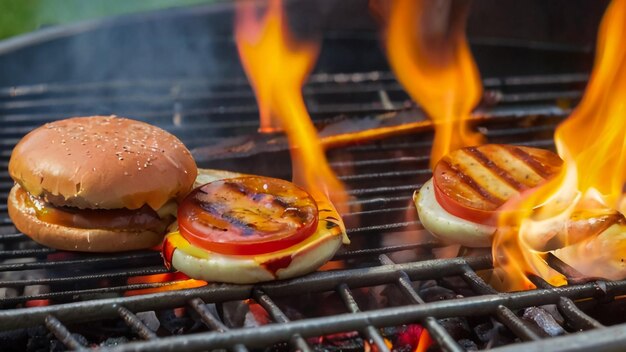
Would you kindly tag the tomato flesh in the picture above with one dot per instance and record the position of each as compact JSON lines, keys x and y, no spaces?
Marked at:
{"x":474,"y":182}
{"x":247,"y":215}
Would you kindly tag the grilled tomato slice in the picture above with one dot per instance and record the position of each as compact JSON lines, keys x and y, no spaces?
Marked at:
{"x":247,"y":215}
{"x":473,"y":183}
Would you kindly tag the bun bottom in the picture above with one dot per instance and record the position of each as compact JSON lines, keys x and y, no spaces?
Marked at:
{"x":447,"y":227}
{"x":76,"y":239}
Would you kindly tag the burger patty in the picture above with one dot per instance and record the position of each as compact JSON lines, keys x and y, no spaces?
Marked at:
{"x":144,"y":218}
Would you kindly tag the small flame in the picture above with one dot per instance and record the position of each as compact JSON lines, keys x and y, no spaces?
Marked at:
{"x":168,"y":281}
{"x":430,"y":56}
{"x":277,"y":66}
{"x":592,"y":144}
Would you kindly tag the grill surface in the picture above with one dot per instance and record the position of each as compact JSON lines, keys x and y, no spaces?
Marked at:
{"x":392,"y":274}
{"x":86,"y":289}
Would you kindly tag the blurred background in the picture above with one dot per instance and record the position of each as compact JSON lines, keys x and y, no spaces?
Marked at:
{"x":21,"y":16}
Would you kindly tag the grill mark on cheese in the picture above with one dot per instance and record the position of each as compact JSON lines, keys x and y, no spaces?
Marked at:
{"x":513,"y":165}
{"x":497,"y":170}
{"x":468,"y":180}
{"x":530,"y":161}
{"x":483,"y":176}
{"x":487,"y":176}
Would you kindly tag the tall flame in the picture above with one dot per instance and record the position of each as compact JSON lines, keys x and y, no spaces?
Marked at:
{"x":430,"y":57}
{"x":277,"y":66}
{"x":592,"y":144}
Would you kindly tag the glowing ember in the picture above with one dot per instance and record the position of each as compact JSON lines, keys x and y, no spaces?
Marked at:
{"x":574,"y":213}
{"x":277,"y":66}
{"x":413,"y":338}
{"x":430,"y":57}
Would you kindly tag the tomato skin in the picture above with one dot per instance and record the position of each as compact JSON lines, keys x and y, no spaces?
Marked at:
{"x":247,"y":216}
{"x":455,"y":208}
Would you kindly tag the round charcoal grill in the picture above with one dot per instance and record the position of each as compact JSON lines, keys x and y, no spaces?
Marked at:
{"x":392,"y":278}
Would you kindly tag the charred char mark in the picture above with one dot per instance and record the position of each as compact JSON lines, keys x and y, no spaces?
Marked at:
{"x":281,"y":202}
{"x":247,"y":229}
{"x":539,"y":168}
{"x":239,"y":187}
{"x":471,"y":183}
{"x":210,"y":208}
{"x":489,"y":164}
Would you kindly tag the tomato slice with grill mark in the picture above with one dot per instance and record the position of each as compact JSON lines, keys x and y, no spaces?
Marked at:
{"x":474,"y":182}
{"x":247,"y":215}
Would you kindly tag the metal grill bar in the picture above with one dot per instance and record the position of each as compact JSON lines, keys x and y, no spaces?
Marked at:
{"x":445,"y":341}
{"x":609,"y":339}
{"x":503,"y":314}
{"x":315,"y":79}
{"x":488,"y":304}
{"x":93,"y":277}
{"x":368,"y":331}
{"x":577,"y":318}
{"x":84,"y":293}
{"x":385,"y":227}
{"x":63,"y":334}
{"x":153,"y":256}
{"x":387,"y":249}
{"x":211,"y":321}
{"x":517,"y":326}
{"x":315,"y":282}
{"x":136,"y":324}
{"x":296,"y":341}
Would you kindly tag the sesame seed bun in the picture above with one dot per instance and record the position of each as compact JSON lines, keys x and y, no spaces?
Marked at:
{"x":102,"y":162}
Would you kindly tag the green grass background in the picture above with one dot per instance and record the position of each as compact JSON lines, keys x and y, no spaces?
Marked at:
{"x":22,"y":16}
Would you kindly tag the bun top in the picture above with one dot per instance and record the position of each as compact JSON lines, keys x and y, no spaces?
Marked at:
{"x":103,"y":162}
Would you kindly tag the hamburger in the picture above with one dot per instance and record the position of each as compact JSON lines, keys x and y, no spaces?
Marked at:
{"x":98,"y":184}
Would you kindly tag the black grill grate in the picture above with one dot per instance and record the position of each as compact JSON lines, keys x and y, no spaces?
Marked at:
{"x":381,"y":176}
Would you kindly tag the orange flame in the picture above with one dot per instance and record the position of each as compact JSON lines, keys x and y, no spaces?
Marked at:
{"x":277,"y":66}
{"x":430,"y":56}
{"x":168,"y":281}
{"x":592,"y":143}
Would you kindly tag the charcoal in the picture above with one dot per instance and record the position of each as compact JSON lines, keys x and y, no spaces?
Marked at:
{"x":58,"y":346}
{"x":233,"y":313}
{"x":38,"y":339}
{"x":493,"y":333}
{"x":468,"y":345}
{"x":430,"y":292}
{"x":458,"y":328}
{"x":281,"y":346}
{"x":554,"y":312}
{"x":345,"y":345}
{"x":13,"y":340}
{"x":174,"y":324}
{"x":391,"y":295}
{"x":150,"y":320}
{"x":484,"y":331}
{"x":498,"y":335}
{"x":458,"y":285}
{"x":114,"y":341}
{"x":543,"y":320}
